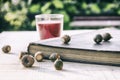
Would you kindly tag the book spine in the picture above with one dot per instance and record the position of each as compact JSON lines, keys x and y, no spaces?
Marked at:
{"x":110,"y":58}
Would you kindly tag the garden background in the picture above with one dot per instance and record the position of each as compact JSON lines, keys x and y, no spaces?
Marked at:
{"x":18,"y":15}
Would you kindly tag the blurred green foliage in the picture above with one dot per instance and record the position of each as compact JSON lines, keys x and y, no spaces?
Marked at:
{"x":20,"y":14}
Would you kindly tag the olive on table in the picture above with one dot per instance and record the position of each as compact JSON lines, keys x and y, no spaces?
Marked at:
{"x":66,"y":39}
{"x":6,"y":48}
{"x":39,"y":56}
{"x":27,"y":60}
{"x":58,"y":64}
{"x":107,"y":36}
{"x":53,"y":56}
{"x":98,"y":38}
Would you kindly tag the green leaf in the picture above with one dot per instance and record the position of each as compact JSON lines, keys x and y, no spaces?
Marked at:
{"x":84,"y":5}
{"x":10,"y":16}
{"x":33,"y":23}
{"x":17,"y":23}
{"x":87,"y":12}
{"x":95,"y":8}
{"x":72,"y":9}
{"x":48,"y":11}
{"x":118,"y":12}
{"x":6,"y":6}
{"x":45,"y":7}
{"x":34,"y":8}
{"x":66,"y":16}
{"x":24,"y":10}
{"x":58,"y":4}
{"x":109,"y":7}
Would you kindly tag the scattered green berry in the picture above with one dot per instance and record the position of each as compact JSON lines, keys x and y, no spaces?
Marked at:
{"x":98,"y":38}
{"x":39,"y":56}
{"x":22,"y":54}
{"x":53,"y":56}
{"x":66,"y":39}
{"x":6,"y":48}
{"x":107,"y":37}
{"x":27,"y":60}
{"x":58,"y":64}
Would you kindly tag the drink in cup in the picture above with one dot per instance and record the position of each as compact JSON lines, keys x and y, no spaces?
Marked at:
{"x":49,"y":25}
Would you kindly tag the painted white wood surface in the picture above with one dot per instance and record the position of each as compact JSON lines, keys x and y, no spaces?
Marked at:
{"x":11,"y":68}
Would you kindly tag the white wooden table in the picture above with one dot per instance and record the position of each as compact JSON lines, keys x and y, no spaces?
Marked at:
{"x":11,"y":68}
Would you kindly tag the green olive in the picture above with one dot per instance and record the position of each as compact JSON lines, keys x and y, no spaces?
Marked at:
{"x":39,"y":56}
{"x":107,"y":36}
{"x":98,"y":38}
{"x":22,"y":54}
{"x":53,"y":56}
{"x":58,"y":64}
{"x":6,"y":48}
{"x":66,"y":39}
{"x":27,"y":60}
